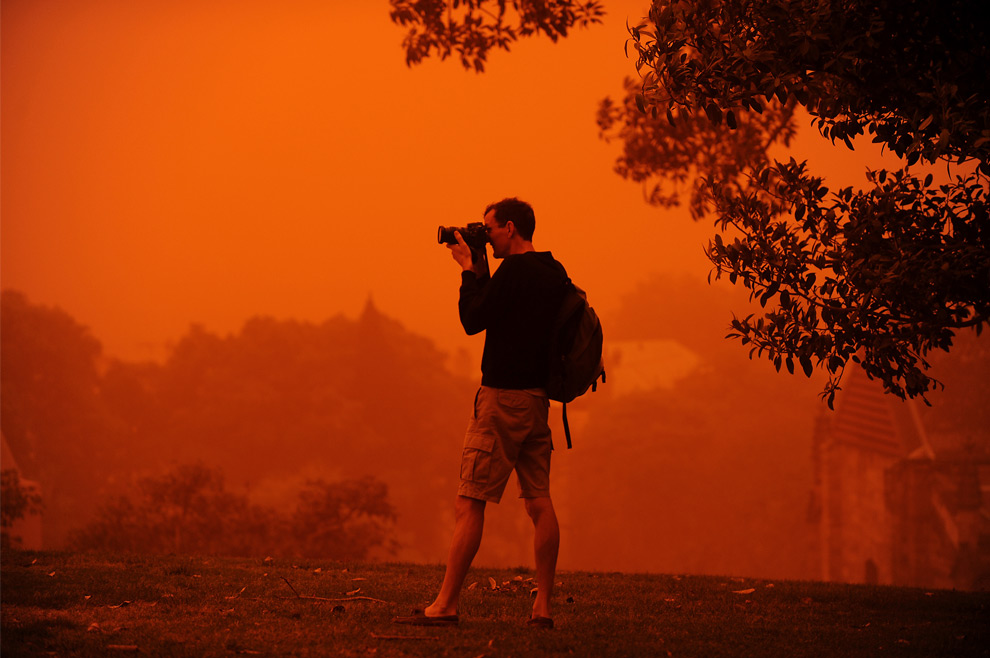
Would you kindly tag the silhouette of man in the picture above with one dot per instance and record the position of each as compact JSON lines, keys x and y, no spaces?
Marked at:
{"x":508,"y":430}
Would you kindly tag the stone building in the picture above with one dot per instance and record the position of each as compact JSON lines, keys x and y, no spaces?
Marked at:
{"x":893,"y":504}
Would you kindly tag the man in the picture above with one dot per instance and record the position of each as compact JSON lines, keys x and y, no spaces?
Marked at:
{"x":508,"y":431}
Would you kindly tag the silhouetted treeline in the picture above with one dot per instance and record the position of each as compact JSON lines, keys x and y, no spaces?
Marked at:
{"x":190,"y":511}
{"x":275,"y":405}
{"x":709,"y":475}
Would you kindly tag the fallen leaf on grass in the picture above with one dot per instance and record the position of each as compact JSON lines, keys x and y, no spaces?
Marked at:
{"x":744,"y":591}
{"x":317,"y":570}
{"x":354,"y":591}
{"x":473,"y":585}
{"x":93,"y":628}
{"x":492,"y":582}
{"x":51,"y":574}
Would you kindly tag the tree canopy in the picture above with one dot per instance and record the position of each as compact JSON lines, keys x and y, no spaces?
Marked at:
{"x":471,"y":28}
{"x":880,"y":276}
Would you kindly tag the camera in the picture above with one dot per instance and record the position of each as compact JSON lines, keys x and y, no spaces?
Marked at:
{"x":475,"y":235}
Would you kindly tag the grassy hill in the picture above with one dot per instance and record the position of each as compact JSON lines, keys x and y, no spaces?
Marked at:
{"x":69,"y":604}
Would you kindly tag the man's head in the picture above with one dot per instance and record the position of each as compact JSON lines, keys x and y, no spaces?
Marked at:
{"x":511,"y":224}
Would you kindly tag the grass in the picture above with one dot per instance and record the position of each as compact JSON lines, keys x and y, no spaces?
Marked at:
{"x":69,"y":604}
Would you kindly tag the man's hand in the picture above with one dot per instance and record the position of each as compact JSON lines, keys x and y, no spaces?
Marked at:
{"x":463,"y":255}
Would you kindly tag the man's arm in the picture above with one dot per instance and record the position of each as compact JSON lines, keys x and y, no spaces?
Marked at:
{"x":476,"y":293}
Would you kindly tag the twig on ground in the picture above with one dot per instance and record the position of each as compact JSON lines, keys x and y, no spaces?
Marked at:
{"x":323,"y":598}
{"x":291,"y":587}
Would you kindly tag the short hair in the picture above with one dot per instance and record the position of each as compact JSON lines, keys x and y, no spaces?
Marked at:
{"x":518,"y":212}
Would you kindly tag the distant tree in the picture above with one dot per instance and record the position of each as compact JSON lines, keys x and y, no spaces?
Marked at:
{"x":471,"y":28}
{"x":184,"y":511}
{"x":298,"y":393}
{"x":50,"y":408}
{"x":879,"y":276}
{"x":343,"y":520}
{"x":16,"y":502}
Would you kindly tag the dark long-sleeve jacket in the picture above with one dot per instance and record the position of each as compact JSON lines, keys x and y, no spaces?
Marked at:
{"x":516,"y":308}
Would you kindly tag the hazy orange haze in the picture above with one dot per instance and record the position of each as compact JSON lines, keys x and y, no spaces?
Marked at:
{"x":175,"y":162}
{"x":169,"y":162}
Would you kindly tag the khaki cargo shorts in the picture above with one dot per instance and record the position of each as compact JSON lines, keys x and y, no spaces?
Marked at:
{"x":508,"y":432}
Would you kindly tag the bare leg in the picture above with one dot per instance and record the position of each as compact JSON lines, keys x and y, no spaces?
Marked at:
{"x":546,"y":544}
{"x":469,"y":522}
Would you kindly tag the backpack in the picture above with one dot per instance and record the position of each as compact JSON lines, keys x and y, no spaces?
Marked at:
{"x":575,"y":350}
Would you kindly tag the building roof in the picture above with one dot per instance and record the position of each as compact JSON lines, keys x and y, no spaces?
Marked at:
{"x":867,"y":417}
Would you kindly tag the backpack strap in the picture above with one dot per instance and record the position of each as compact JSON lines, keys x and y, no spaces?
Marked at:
{"x":567,"y":428}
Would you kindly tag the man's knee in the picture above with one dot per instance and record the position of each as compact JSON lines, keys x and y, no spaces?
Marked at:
{"x":537,"y":507}
{"x":465,"y":506}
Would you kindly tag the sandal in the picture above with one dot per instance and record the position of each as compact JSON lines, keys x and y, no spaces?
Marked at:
{"x":540,"y":622}
{"x":420,"y":618}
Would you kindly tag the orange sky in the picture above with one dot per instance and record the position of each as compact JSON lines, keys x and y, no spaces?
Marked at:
{"x":174,"y":161}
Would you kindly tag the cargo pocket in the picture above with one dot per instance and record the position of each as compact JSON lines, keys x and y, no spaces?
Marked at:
{"x":476,"y":463}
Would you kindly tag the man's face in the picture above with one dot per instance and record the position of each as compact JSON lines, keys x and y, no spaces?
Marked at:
{"x":499,"y":235}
